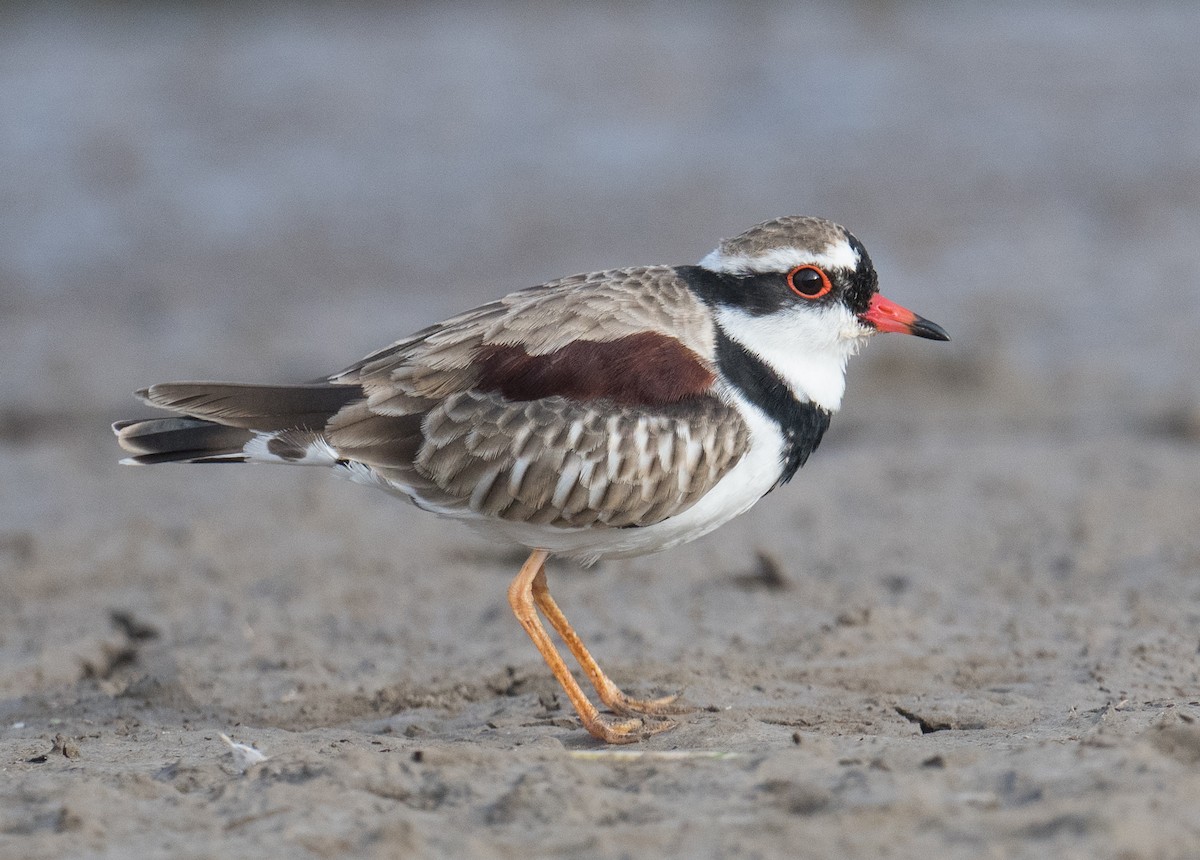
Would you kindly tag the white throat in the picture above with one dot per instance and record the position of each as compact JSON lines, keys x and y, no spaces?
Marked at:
{"x":807,"y":347}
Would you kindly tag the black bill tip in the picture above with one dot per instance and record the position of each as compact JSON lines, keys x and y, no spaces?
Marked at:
{"x":922,"y":327}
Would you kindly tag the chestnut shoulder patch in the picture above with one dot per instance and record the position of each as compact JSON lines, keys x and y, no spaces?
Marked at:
{"x":643,"y":369}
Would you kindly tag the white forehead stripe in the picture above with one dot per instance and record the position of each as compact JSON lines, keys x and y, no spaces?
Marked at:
{"x":836,"y":256}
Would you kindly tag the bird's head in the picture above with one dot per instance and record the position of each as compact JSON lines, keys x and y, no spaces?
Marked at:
{"x":802,"y":293}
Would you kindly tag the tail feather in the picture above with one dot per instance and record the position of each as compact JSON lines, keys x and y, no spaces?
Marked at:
{"x":254,"y":407}
{"x":181,"y":440}
{"x":218,"y":420}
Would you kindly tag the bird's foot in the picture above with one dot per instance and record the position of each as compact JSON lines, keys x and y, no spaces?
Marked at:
{"x":627,"y":706}
{"x":615,"y":730}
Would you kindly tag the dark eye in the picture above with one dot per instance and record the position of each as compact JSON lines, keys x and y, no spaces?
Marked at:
{"x":808,"y":282}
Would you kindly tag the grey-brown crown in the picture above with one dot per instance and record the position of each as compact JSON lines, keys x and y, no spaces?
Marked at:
{"x":790,"y":231}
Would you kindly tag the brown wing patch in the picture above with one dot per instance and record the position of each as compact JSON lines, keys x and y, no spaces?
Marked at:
{"x":644,"y":369}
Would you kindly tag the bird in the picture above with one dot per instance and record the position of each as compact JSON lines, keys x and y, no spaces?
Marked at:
{"x":603,"y":415}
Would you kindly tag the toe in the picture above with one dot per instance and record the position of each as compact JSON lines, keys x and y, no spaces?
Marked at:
{"x":629,"y":706}
{"x":626,"y":731}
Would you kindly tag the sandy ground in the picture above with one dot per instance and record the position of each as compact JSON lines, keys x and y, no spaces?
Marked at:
{"x":970,"y":627}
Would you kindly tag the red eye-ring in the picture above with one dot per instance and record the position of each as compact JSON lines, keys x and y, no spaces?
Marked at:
{"x":808,"y":282}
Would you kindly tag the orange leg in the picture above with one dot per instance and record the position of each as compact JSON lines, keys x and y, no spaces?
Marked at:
{"x":610,"y":694}
{"x":521,"y":596}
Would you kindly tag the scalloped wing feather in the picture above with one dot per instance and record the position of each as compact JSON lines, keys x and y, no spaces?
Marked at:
{"x":551,"y":461}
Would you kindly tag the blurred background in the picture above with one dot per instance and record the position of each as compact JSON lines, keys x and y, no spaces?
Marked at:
{"x":265,"y":192}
